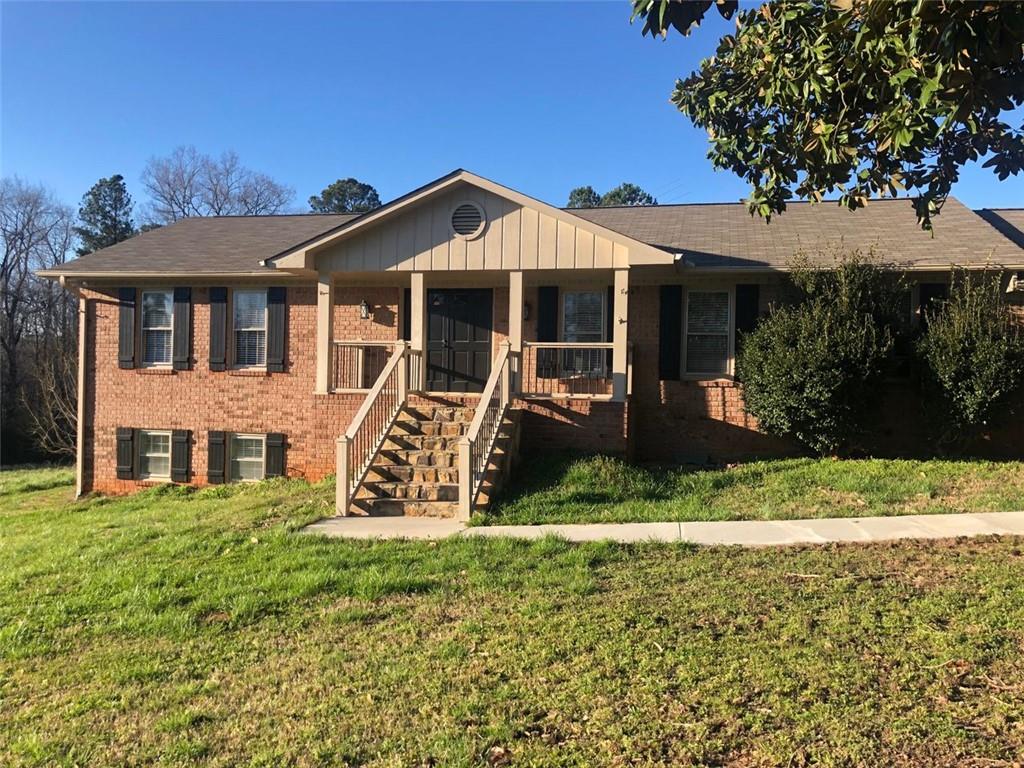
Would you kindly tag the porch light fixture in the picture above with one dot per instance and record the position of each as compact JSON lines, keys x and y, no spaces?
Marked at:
{"x":364,"y":310}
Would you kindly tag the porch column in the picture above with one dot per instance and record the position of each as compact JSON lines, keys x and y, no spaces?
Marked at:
{"x":620,"y":334}
{"x":83,"y":319}
{"x":418,"y":326}
{"x":324,"y":331}
{"x":515,"y":324}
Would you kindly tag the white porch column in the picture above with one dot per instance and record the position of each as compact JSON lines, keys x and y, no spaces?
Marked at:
{"x":515,"y":325}
{"x":418,"y":326}
{"x":83,"y":319}
{"x":620,"y":334}
{"x":324,"y":331}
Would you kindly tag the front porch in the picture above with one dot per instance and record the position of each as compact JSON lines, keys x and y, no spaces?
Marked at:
{"x":493,"y":343}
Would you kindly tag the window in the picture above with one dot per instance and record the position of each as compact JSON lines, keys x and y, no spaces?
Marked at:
{"x":154,"y":455}
{"x":583,"y":316}
{"x":157,"y":320}
{"x":250,"y":311}
{"x":247,"y":457}
{"x":708,"y":321}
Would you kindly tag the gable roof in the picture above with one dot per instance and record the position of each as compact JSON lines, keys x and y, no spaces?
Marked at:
{"x":301,"y":256}
{"x":722,"y":235}
{"x":204,"y":246}
{"x":704,"y":235}
{"x":1007,"y":221}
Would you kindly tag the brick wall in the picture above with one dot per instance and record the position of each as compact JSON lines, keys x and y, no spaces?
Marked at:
{"x":201,"y":400}
{"x":584,"y":426}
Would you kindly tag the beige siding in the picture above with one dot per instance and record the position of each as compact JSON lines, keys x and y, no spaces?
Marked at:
{"x":515,"y":237}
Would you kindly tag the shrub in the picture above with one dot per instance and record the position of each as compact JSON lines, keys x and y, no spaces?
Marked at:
{"x":972,"y":354}
{"x":812,"y":371}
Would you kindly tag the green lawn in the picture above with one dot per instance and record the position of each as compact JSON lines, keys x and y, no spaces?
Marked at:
{"x":197,"y":628}
{"x":601,"y":489}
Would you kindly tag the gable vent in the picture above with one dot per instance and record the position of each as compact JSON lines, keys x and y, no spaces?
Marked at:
{"x":467,"y":220}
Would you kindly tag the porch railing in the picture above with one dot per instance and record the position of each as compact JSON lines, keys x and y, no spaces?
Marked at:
{"x":361,"y":442}
{"x":477,"y":445}
{"x":563,"y":369}
{"x":356,"y":364}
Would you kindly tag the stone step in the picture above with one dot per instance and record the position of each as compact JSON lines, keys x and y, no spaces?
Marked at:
{"x":432,"y":428}
{"x":411,"y":491}
{"x":421,"y":442}
{"x":439,"y":413}
{"x":412,"y":457}
{"x":404,"y":507}
{"x":412,"y":474}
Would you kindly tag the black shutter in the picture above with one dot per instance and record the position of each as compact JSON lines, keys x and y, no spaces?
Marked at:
{"x":274,"y":466}
{"x":125,"y":453}
{"x":670,"y":331}
{"x":407,"y":314}
{"x":547,"y":330}
{"x":547,"y":313}
{"x":277,"y":321}
{"x":181,"y":455}
{"x":126,"y":328}
{"x":217,"y":457}
{"x":748,"y":304}
{"x":182,"y":329}
{"x":218,"y":328}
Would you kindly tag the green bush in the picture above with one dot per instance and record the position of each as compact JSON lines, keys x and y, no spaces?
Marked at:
{"x":812,"y":370}
{"x":972,"y":354}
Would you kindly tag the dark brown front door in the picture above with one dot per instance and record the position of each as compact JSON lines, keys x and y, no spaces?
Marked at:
{"x":458,"y":339}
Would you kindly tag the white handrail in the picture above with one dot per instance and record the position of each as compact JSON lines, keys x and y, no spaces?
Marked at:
{"x":476,"y":446}
{"x":569,"y":344}
{"x":361,"y":442}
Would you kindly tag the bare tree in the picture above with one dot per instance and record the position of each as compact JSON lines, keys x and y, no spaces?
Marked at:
{"x":36,"y":317}
{"x":188,"y":183}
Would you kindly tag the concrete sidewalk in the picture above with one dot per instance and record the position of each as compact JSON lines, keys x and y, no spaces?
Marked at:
{"x":746,"y":533}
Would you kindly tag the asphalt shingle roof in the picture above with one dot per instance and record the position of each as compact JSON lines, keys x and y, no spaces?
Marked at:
{"x":707,"y":235}
{"x":208,"y":245}
{"x":725,"y":235}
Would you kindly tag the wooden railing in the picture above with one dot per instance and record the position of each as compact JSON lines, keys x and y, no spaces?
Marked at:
{"x":563,"y":369}
{"x":415,"y":378}
{"x":361,"y":442}
{"x":476,"y":446}
{"x":356,"y":364}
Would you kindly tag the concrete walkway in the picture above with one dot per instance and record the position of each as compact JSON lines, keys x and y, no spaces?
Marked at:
{"x":747,"y":533}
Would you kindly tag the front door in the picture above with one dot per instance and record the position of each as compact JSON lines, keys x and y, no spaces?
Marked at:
{"x":458,"y":339}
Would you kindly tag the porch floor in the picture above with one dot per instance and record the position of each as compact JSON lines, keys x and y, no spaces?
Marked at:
{"x":746,"y":533}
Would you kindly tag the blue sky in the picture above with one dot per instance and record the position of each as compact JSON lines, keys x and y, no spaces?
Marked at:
{"x":541,"y":97}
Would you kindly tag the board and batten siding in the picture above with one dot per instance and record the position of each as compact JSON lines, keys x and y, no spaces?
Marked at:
{"x":515,"y":237}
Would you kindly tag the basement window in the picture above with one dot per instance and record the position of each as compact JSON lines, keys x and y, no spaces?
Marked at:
{"x":154,"y":455}
{"x":248,"y":457}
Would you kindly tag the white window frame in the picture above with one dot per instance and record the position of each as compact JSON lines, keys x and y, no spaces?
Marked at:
{"x":235,"y":330}
{"x":144,"y":329}
{"x":232,"y":436}
{"x":143,"y":434}
{"x":730,"y":367}
{"x":603,"y":293}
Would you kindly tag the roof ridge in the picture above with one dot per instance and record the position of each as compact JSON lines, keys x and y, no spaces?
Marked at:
{"x":740,"y":202}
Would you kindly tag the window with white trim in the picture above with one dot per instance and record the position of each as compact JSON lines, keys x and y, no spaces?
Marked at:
{"x":247,"y":455}
{"x":708,"y":333}
{"x":157,"y":327}
{"x":250,"y":328}
{"x":154,"y":455}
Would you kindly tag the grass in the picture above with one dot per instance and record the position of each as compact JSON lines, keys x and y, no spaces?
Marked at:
{"x":602,"y":489}
{"x":198,"y":628}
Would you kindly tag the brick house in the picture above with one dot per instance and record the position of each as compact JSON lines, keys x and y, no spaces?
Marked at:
{"x":414,"y":349}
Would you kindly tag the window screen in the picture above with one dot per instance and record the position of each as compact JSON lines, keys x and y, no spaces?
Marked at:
{"x":707,"y":332}
{"x":247,"y":457}
{"x":155,"y":454}
{"x":250,"y":310}
{"x":583,"y":316}
{"x":157,"y":313}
